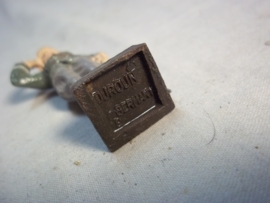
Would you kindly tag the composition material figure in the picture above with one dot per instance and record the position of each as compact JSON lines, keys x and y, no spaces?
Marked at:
{"x":59,"y":70}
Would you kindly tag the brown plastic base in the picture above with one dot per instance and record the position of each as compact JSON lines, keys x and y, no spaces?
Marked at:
{"x":124,"y":96}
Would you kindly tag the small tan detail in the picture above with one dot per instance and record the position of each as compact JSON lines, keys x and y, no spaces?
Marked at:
{"x":45,"y":53}
{"x":100,"y":57}
{"x":43,"y":56}
{"x":77,"y":163}
{"x":34,"y":64}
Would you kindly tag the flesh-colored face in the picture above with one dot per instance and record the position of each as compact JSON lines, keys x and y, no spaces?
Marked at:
{"x":45,"y":53}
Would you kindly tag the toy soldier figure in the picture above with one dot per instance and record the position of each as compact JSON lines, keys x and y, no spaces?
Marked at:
{"x":57,"y":69}
{"x":122,"y":98}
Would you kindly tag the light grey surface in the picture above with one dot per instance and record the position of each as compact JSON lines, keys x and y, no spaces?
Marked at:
{"x":214,"y":57}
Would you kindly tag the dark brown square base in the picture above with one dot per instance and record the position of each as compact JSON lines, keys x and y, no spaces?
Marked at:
{"x":124,"y":96}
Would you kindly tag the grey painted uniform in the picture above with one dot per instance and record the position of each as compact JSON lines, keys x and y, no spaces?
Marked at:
{"x":65,"y":69}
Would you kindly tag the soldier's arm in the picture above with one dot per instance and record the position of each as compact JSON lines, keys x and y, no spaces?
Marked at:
{"x":37,"y":63}
{"x":21,"y":77}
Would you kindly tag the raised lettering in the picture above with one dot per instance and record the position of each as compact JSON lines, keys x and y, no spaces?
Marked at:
{"x":111,"y":89}
{"x":124,"y":106}
{"x":117,"y":122}
{"x":141,"y":96}
{"x":130,"y":103}
{"x":97,"y":97}
{"x":125,"y":81}
{"x":136,"y":100}
{"x":105,"y":94}
{"x":118,"y":109}
{"x":132,"y":78}
{"x":118,"y":85}
{"x":147,"y":92}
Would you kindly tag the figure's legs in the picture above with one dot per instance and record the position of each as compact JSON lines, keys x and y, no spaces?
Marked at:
{"x":62,"y":78}
{"x":65,"y":74}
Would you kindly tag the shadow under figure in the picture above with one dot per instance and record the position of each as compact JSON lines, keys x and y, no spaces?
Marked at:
{"x":59,"y":70}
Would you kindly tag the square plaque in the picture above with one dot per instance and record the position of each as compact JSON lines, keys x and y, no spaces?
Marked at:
{"x":124,"y":96}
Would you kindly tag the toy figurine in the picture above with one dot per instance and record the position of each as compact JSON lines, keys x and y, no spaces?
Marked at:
{"x":122,"y":97}
{"x":59,"y":70}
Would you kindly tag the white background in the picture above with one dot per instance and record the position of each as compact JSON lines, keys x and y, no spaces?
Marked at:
{"x":214,"y":57}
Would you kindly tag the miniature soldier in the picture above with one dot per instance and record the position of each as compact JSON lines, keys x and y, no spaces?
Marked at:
{"x":59,"y":70}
